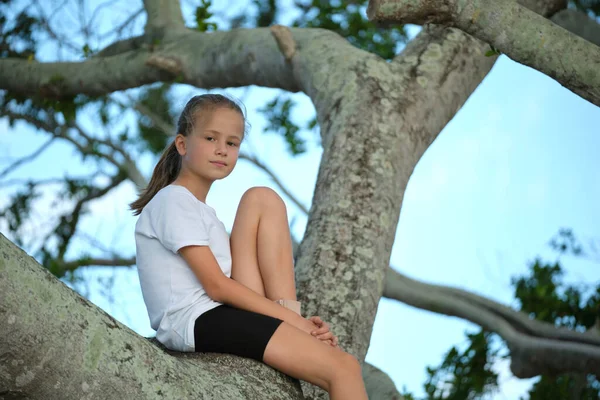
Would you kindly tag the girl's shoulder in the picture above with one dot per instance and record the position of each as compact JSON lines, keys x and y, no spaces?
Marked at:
{"x":172,"y":195}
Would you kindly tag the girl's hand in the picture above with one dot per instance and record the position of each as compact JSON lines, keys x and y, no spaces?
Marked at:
{"x":322,"y":332}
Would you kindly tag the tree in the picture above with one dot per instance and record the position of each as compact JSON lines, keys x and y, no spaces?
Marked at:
{"x":468,"y":374}
{"x":377,"y":113}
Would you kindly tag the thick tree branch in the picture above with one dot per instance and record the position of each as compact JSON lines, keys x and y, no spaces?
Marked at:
{"x":547,"y":8}
{"x":379,"y":385}
{"x":94,"y":77}
{"x":520,"y":33}
{"x":536,"y":347}
{"x":163,"y":15}
{"x":578,"y":23}
{"x":208,"y":60}
{"x":85,"y":352}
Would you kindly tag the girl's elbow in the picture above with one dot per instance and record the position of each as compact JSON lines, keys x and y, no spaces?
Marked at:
{"x":215,"y":291}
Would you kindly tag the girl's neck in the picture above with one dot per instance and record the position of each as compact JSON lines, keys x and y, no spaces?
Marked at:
{"x":199,"y":188}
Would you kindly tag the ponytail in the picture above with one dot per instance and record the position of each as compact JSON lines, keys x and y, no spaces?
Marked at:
{"x":169,"y":165}
{"x":164,"y":174}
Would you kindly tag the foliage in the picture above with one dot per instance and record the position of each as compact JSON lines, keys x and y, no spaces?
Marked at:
{"x":464,"y":374}
{"x":591,"y":7}
{"x":202,"y":16}
{"x":543,"y":295}
{"x":155,"y":101}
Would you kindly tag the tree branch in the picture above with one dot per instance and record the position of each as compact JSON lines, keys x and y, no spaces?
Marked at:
{"x":578,"y":23}
{"x":217,"y":59}
{"x":94,"y":77}
{"x":85,"y":351}
{"x":61,"y":131}
{"x":536,"y":347}
{"x":520,"y":33}
{"x":27,"y":158}
{"x":163,"y":15}
{"x":379,"y":385}
{"x":97,"y":262}
{"x":69,"y":222}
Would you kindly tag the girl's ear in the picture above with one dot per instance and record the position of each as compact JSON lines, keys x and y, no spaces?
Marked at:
{"x":180,"y":144}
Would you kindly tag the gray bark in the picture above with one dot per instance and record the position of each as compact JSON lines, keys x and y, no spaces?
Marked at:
{"x":520,"y":33}
{"x":163,"y":16}
{"x":379,"y":385}
{"x":57,"y":345}
{"x":535,"y":347}
{"x":578,"y":23}
{"x":376,"y":120}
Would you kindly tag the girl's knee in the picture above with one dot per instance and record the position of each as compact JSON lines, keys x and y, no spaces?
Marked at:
{"x":347,"y":364}
{"x":262,"y":195}
{"x":352,"y":363}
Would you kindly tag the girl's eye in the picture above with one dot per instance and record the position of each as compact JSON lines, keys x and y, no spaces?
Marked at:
{"x":209,"y":138}
{"x":232,"y":144}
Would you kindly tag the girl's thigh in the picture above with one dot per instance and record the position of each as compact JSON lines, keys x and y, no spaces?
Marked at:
{"x":302,"y":356}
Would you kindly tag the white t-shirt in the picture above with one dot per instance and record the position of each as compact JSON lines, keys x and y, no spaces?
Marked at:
{"x":174,"y":297}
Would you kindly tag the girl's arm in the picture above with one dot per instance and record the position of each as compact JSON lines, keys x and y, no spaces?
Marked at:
{"x":225,"y":290}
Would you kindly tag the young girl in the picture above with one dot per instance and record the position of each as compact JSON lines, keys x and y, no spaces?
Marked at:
{"x":207,"y":292}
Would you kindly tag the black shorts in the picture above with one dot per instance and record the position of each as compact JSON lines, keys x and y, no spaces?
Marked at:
{"x":226,"y":329}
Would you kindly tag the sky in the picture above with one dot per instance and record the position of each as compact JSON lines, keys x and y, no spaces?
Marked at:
{"x":519,"y":161}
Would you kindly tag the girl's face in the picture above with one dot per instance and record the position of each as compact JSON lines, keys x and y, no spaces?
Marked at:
{"x":211,"y":151}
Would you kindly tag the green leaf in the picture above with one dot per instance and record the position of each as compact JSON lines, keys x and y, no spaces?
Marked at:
{"x":155,"y":99}
{"x":201,"y":16}
{"x":277,"y":112}
{"x":87,"y":51}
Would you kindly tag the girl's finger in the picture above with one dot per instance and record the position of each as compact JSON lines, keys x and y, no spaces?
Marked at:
{"x":325,"y":336}
{"x":316,"y":320}
{"x":323,"y":329}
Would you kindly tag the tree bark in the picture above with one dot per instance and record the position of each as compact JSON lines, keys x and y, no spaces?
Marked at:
{"x":536,"y":347}
{"x":163,"y":15}
{"x":579,"y":24}
{"x":521,"y":34}
{"x":57,"y":345}
{"x":379,"y":385}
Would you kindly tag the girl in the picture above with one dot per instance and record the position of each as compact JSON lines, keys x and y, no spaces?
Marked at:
{"x":207,"y":292}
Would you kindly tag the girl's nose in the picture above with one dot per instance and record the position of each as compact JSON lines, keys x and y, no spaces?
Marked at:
{"x":222,"y":149}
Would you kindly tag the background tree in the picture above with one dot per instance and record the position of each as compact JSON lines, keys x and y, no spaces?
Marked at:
{"x":543,"y":295}
{"x":364,"y":158}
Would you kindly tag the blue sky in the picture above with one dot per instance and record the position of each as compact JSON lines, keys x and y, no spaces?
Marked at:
{"x":519,"y":161}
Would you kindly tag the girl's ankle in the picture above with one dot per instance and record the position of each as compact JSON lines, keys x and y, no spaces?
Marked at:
{"x":293,"y":305}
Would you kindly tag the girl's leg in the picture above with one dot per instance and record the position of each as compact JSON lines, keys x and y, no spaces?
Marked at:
{"x":301,"y":356}
{"x":262,"y":260}
{"x":261,"y":246}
